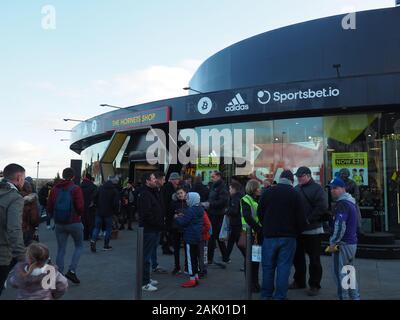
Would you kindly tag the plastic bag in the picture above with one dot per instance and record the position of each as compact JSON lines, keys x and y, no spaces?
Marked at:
{"x":225,"y":229}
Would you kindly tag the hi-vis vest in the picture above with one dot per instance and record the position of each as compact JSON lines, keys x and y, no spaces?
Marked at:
{"x":253,"y":205}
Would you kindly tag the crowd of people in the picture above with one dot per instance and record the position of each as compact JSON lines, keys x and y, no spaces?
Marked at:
{"x":286,"y":221}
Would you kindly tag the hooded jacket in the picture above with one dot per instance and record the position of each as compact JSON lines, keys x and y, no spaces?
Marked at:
{"x":31,"y":216}
{"x":77,"y":198}
{"x":192,"y":219}
{"x":30,"y":287}
{"x":11,"y":237}
{"x":346,"y":221}
{"x":89,"y":190}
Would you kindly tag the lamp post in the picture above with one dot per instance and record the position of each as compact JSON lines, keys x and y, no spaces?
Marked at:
{"x":189,"y":88}
{"x":63,"y":130}
{"x":37,"y":177}
{"x":74,"y":120}
{"x":110,"y":106}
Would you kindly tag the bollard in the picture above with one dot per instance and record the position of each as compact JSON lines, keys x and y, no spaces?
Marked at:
{"x":248,"y":263}
{"x":139,"y":264}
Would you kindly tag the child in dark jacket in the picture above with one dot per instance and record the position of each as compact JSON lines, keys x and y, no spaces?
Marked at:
{"x":192,"y":223}
{"x":35,"y":279}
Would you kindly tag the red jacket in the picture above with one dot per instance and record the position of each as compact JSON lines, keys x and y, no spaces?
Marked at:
{"x":77,"y":197}
{"x":206,"y":227}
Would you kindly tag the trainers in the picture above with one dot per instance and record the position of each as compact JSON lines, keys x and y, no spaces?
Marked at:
{"x":149,"y":287}
{"x":158,"y":269}
{"x":189,"y":284}
{"x":92,"y":246}
{"x":153,"y":282}
{"x":48,"y":227}
{"x":227,"y":261}
{"x":107,"y":248}
{"x":176,"y":271}
{"x":70,"y":275}
{"x":312,"y":292}
{"x":295,"y":286}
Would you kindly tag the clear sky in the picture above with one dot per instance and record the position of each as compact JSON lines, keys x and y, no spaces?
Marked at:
{"x":120,"y":52}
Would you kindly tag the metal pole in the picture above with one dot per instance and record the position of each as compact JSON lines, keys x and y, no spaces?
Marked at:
{"x":248,"y":263}
{"x":37,"y":177}
{"x":139,"y":264}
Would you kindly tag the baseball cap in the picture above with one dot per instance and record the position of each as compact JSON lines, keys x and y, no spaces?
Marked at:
{"x":174,"y":176}
{"x":337,"y":182}
{"x":302,"y":170}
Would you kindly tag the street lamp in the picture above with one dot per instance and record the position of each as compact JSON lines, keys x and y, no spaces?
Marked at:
{"x":63,"y":130}
{"x":189,"y":88}
{"x":74,"y":120}
{"x":64,"y":139}
{"x":37,"y":177}
{"x":110,"y":106}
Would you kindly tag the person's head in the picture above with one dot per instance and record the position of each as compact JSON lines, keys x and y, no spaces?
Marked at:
{"x":216,"y":176}
{"x":68,"y":174}
{"x":287,"y":175}
{"x":149,"y":180}
{"x":344,"y":174}
{"x":181,"y":192}
{"x":187,"y":178}
{"x":234,"y":187}
{"x":253,"y":188}
{"x":37,"y":255}
{"x":338,"y":187}
{"x":266,"y":183}
{"x":193,"y":199}
{"x":174,"y":178}
{"x":15,"y":174}
{"x":160,"y":177}
{"x":303,"y":175}
{"x":27,"y":188}
{"x":130,"y":184}
{"x":197,"y":180}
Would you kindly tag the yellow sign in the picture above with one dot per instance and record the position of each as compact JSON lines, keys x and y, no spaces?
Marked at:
{"x":355,"y":162}
{"x":211,"y":163}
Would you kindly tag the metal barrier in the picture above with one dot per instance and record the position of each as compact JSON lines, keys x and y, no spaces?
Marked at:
{"x":248,"y":263}
{"x":139,"y":264}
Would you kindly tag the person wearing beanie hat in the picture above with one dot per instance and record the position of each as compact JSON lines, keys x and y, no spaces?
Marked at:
{"x":192,"y":223}
{"x":282,"y":218}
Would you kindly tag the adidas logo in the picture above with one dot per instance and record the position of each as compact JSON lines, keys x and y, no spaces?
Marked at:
{"x":237,"y":104}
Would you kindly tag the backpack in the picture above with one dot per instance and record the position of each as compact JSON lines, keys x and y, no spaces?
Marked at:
{"x":63,"y":208}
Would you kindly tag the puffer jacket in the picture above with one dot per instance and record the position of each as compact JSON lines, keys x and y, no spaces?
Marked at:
{"x":30,"y":287}
{"x":11,"y":237}
{"x":218,"y":199}
{"x":31,"y":216}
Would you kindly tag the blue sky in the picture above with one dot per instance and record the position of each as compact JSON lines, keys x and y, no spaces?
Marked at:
{"x":119,"y":52}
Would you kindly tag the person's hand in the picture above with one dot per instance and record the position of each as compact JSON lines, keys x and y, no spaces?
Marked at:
{"x":332,"y":248}
{"x":206,"y":204}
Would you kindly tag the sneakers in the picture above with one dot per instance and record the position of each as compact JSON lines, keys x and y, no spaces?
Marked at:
{"x":107,"y":248}
{"x":176,"y":271}
{"x":71,"y":276}
{"x":159,"y":269}
{"x":189,"y":284}
{"x":48,"y":227}
{"x":149,"y":287}
{"x":312,"y":292}
{"x":153,"y":282}
{"x":295,"y":286}
{"x":92,"y":246}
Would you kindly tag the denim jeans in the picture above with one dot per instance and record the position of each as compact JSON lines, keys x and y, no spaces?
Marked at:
{"x":99,"y":222}
{"x":345,"y":257}
{"x":154,"y":262}
{"x":150,"y":242}
{"x":277,"y":254}
{"x":75,"y":230}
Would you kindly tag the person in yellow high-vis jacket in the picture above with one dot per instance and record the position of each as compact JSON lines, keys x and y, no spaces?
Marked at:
{"x":248,"y":209}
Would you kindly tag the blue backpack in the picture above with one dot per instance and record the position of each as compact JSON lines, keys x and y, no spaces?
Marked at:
{"x":63,"y":209}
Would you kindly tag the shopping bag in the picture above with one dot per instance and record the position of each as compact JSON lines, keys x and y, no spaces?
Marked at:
{"x":225,"y":229}
{"x":256,"y":253}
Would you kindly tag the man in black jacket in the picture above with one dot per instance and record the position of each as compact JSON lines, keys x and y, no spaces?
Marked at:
{"x":89,"y":190}
{"x":106,"y":202}
{"x":151,"y":218}
{"x":315,"y":204}
{"x":281,"y":215}
{"x":217,"y":205}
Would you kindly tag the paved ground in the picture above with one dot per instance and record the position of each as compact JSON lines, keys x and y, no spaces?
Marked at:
{"x":111,"y":276}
